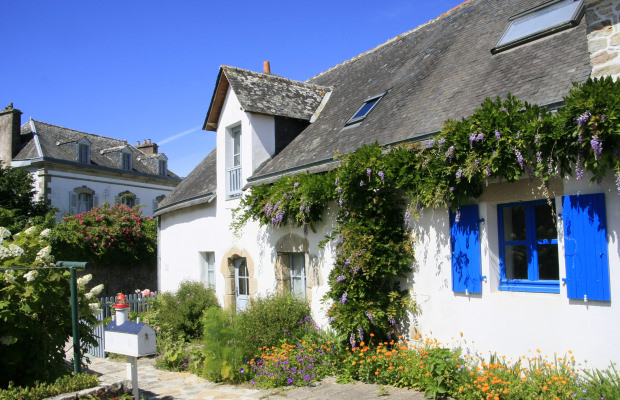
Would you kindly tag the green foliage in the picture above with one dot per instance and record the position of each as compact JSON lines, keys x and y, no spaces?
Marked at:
{"x":180,"y":314}
{"x":64,"y":384}
{"x":379,"y":190}
{"x":35,"y":313}
{"x":271,"y":320}
{"x":223,"y":347}
{"x":603,"y":384}
{"x":17,"y":193}
{"x":107,"y":235}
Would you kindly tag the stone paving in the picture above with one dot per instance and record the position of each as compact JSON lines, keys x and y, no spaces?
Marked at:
{"x":157,"y":384}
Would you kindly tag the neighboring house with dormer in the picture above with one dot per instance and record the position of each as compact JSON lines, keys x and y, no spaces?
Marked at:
{"x":402,"y":91}
{"x":76,"y":171}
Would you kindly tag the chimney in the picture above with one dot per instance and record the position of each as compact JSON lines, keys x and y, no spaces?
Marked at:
{"x":148,"y":147}
{"x":10,"y":131}
{"x":266,"y":67}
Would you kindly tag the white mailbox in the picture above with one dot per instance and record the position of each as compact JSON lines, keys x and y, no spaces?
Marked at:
{"x":130,"y":339}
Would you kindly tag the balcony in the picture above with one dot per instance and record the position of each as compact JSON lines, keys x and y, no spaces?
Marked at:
{"x":234,"y":181}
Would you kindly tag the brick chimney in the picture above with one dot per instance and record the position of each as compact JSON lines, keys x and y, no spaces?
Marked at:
{"x":148,"y":147}
{"x":266,"y":67}
{"x":10,"y":129}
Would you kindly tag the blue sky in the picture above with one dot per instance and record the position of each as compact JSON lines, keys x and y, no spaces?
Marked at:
{"x":138,"y":69}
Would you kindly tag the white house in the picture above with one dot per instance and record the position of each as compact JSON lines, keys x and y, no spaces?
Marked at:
{"x":402,"y":91}
{"x":76,"y":171}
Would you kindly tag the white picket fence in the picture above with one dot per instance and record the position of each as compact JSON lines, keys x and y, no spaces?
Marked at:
{"x":137,"y":303}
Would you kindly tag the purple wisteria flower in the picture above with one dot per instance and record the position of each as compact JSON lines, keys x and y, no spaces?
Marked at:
{"x":392,"y":321}
{"x":343,"y":299}
{"x":331,"y":319}
{"x":451,"y":188}
{"x":336,"y":182}
{"x":381,"y":175}
{"x":407,"y":217}
{"x":597,"y":147}
{"x":360,"y":332}
{"x":361,"y":183}
{"x":352,"y":340}
{"x":368,"y":172}
{"x":268,"y":209}
{"x":450,"y":153}
{"x":476,"y":137}
{"x":583,"y":118}
{"x":476,"y":162}
{"x":341,"y":278}
{"x":340,"y":202}
{"x":504,"y":109}
{"x":539,"y":157}
{"x":296,"y":185}
{"x":457,"y":217}
{"x":579,"y":168}
{"x":459,"y":174}
{"x":487,"y":171}
{"x":518,"y":134}
{"x":369,"y":315}
{"x":519,"y":157}
{"x":347,"y":263}
{"x":277,"y":219}
{"x":307,"y":209}
{"x":602,"y":118}
{"x":339,"y":190}
{"x":440,"y":143}
{"x":497,"y":135}
{"x":537,"y":138}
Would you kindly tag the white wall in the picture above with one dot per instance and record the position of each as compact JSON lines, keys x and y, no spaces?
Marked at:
{"x":107,"y":189}
{"x":515,"y":323}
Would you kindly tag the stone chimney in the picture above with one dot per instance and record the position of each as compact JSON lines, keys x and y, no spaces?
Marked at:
{"x":10,"y":129}
{"x":148,"y":148}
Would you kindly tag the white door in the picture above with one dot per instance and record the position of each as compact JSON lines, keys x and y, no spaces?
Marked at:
{"x":242,"y":284}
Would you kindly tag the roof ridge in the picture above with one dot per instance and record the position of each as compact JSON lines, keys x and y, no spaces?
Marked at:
{"x":79,"y":132}
{"x":271,"y":75}
{"x":389,"y":41}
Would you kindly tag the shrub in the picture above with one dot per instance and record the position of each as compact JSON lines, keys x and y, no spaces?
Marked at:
{"x":270,"y":320}
{"x":180,"y":314}
{"x":603,"y":384}
{"x":108,"y":235}
{"x":65,"y":384}
{"x":223,"y":353}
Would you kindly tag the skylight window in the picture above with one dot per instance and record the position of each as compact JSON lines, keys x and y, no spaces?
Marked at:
{"x":543,"y":20}
{"x":365,"y":109}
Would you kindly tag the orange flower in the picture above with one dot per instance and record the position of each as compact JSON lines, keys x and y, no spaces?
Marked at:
{"x":377,"y":372}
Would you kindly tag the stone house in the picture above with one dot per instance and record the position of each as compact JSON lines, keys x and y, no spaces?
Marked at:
{"x":402,"y":91}
{"x":76,"y":171}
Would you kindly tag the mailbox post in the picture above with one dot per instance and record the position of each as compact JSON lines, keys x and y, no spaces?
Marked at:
{"x":132,"y":339}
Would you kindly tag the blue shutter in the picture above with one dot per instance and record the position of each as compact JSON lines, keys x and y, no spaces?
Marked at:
{"x":465,"y":247}
{"x":585,"y":246}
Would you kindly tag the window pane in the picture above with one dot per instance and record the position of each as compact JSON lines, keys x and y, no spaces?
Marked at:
{"x":515,"y":258}
{"x":514,"y":223}
{"x":211,"y":278}
{"x":545,"y":223}
{"x":548,"y":268}
{"x":365,"y":109}
{"x":297,"y":265}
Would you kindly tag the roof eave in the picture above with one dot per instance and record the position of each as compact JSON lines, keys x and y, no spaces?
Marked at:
{"x":217,"y":101}
{"x":205,"y":198}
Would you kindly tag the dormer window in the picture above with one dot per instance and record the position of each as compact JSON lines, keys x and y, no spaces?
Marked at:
{"x":127,"y":162}
{"x":163,"y":167}
{"x":84,"y":153}
{"x":543,"y":20}
{"x":365,"y":109}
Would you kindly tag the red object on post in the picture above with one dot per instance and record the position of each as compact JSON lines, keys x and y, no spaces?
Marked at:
{"x":121,"y":302}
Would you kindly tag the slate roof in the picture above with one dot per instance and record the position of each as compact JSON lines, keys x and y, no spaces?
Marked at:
{"x":197,"y":188}
{"x":53,"y":143}
{"x":265,"y":94}
{"x":441,"y":70}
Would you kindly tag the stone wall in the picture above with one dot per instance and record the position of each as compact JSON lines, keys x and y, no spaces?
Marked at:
{"x":603,"y":19}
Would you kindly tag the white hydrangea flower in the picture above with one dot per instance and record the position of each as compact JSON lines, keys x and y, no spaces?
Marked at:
{"x":4,"y":233}
{"x":97,"y":289}
{"x":15,"y":250}
{"x":84,"y":280}
{"x":31,"y":276}
{"x":8,"y":277}
{"x":30,"y":230}
{"x":45,"y":232}
{"x":44,"y":253}
{"x":4,"y":252}
{"x":88,"y":296}
{"x":94,"y":307}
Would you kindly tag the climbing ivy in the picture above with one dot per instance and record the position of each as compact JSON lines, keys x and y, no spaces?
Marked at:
{"x":378,"y":190}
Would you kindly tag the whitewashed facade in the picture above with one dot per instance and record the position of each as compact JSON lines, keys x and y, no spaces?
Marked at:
{"x":196,"y":241}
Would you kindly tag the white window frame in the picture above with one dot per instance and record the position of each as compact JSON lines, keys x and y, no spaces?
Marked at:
{"x":301,"y":277}
{"x":207,"y":268}
{"x":233,"y":172}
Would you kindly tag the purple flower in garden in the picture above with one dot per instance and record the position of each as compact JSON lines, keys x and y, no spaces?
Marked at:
{"x":583,"y":118}
{"x":457,"y":217}
{"x":341,"y":278}
{"x":268,"y":209}
{"x":450,"y":153}
{"x":476,"y":162}
{"x":459,"y":174}
{"x":441,"y":142}
{"x":451,"y":188}
{"x":597,"y":146}
{"x":340,"y":202}
{"x":537,"y":138}
{"x":370,"y":317}
{"x":307,"y":209}
{"x":242,"y":370}
{"x":407,"y":217}
{"x":352,"y":340}
{"x":381,"y":175}
{"x":579,"y":168}
{"x":339,"y":190}
{"x":347,"y":263}
{"x":519,"y":157}
{"x":296,"y":185}
{"x":539,"y":157}
{"x":602,"y":118}
{"x":343,"y":299}
{"x":518,"y":134}
{"x":361,"y":183}
{"x":331,"y":319}
{"x":392,"y":321}
{"x":336,"y":182}
{"x":472,"y":137}
{"x":360,"y":332}
{"x":368,"y":172}
{"x":497,"y":134}
{"x":504,"y":109}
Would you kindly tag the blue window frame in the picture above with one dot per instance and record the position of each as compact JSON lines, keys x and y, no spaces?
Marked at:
{"x":528,"y":251}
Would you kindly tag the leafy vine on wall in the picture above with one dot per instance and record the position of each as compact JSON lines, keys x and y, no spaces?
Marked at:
{"x":378,"y":190}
